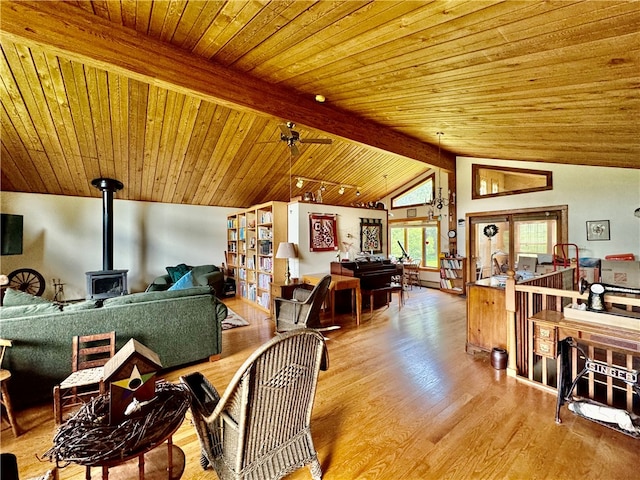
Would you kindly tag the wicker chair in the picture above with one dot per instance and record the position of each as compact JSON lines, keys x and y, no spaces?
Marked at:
{"x":260,"y":428}
{"x":303,"y":311}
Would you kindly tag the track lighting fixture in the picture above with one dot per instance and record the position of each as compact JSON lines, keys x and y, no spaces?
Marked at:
{"x":342,"y":187}
{"x":357,"y":193}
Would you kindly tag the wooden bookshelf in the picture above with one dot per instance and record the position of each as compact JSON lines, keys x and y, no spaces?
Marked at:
{"x":453,"y":275}
{"x":253,"y":236}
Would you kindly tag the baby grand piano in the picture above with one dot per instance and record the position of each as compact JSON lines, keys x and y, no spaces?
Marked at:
{"x":373,"y":273}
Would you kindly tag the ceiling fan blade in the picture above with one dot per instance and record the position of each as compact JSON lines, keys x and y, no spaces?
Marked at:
{"x":325,"y":141}
{"x":294,"y":150}
{"x":286,"y":131}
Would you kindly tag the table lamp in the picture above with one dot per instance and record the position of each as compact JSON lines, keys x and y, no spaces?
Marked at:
{"x":286,"y":250}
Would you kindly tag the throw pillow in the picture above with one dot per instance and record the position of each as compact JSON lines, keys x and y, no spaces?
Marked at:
{"x":16,"y":297}
{"x":177,"y":272}
{"x":185,"y":282}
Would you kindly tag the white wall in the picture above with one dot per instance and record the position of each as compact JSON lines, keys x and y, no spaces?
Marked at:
{"x":348,"y":225}
{"x":591,"y":193}
{"x":63,"y":238}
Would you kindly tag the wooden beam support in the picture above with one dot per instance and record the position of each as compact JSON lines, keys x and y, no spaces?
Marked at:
{"x":75,"y":34}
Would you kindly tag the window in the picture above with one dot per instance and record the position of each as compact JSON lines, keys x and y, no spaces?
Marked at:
{"x":420,"y":240}
{"x":527,"y":232}
{"x":418,"y":195}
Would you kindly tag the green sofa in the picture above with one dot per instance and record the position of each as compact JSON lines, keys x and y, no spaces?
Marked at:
{"x":181,"y":326}
{"x":202,"y":275}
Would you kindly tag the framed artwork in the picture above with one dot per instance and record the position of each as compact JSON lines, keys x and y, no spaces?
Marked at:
{"x":598,"y":230}
{"x":411,"y":212}
{"x":323,"y":234}
{"x":371,"y":235}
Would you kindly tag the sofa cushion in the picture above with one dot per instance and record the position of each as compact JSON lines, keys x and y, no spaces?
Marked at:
{"x":85,"y":305}
{"x":200,"y":270}
{"x":16,"y":297}
{"x":177,"y":272}
{"x":186,"y":281}
{"x":154,"y":296}
{"x":18,"y":311}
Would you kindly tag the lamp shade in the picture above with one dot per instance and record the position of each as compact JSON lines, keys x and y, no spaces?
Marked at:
{"x":286,"y":250}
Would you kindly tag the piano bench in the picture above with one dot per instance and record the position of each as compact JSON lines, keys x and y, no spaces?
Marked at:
{"x":388,"y":291}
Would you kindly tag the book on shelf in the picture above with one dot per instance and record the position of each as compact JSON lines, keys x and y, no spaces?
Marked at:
{"x":266,"y":247}
{"x":447,"y":284}
{"x":264,"y":300}
{"x":266,"y":217}
{"x":265,"y":233}
{"x":448,"y":273}
{"x":264,"y":281}
{"x":453,"y":263}
{"x":266,"y":264}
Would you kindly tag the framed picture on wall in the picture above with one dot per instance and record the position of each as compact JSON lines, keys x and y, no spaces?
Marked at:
{"x":598,"y":230}
{"x":323,"y":236}
{"x":371,"y":235}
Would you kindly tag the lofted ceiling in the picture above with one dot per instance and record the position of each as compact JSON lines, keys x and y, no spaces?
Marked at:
{"x":182,"y":101}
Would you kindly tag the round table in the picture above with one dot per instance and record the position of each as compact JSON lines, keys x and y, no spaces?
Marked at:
{"x":87,"y":438}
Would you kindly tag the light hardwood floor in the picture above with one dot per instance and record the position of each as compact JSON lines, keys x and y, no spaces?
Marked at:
{"x":402,"y":400}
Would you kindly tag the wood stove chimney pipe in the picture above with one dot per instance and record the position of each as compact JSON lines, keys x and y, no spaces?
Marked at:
{"x":108,"y":186}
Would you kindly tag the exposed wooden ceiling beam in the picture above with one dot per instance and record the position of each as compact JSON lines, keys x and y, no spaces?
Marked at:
{"x":77,"y":35}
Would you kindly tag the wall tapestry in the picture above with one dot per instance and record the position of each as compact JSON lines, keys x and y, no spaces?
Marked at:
{"x":371,"y":235}
{"x":323,"y":234}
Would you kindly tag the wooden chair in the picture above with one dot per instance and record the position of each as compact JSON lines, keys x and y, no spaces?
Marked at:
{"x":303,"y":311}
{"x":412,"y":274}
{"x":5,"y":400}
{"x":260,"y":428}
{"x":88,"y":357}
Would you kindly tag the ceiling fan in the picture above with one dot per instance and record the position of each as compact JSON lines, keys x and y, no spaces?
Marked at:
{"x":291,"y":137}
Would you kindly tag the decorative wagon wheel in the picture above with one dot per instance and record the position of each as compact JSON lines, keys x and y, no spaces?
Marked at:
{"x":27,"y":280}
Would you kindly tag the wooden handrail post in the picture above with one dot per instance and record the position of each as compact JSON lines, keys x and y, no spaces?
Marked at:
{"x":510,"y":304}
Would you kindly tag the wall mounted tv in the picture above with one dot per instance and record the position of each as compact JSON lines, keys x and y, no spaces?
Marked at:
{"x":11,"y":234}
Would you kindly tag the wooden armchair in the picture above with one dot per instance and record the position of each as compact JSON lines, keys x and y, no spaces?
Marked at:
{"x":303,"y":311}
{"x":260,"y":428}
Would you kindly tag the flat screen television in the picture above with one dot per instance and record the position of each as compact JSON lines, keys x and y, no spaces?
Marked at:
{"x":11,"y":234}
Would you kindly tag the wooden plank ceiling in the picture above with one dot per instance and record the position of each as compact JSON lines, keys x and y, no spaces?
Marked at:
{"x":182,"y":100}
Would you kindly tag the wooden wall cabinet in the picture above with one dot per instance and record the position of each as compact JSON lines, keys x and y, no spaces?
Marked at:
{"x":453,"y":275}
{"x":253,"y":236}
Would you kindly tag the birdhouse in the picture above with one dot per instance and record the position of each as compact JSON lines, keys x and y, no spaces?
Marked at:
{"x":131,"y":377}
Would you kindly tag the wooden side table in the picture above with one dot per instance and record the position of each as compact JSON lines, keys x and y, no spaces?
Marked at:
{"x":339,"y":282}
